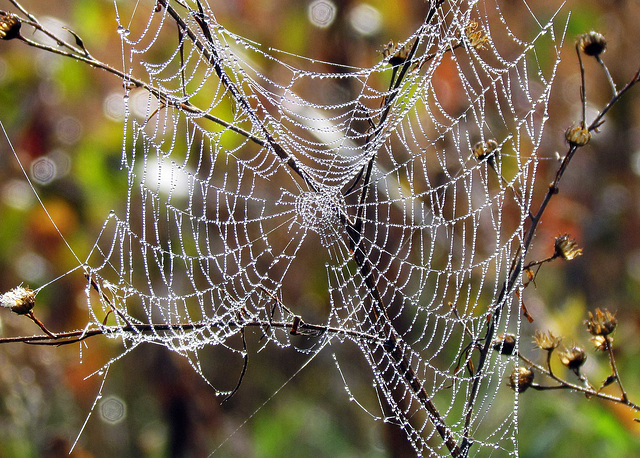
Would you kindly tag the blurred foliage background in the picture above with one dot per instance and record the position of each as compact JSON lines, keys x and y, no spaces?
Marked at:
{"x":65,"y":121}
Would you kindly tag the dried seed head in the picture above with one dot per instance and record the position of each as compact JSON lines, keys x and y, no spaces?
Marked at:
{"x":567,"y":248}
{"x":505,"y":344}
{"x":577,"y":135}
{"x":601,"y":343}
{"x":9,"y":26}
{"x":520,"y":379}
{"x":602,"y":324}
{"x":477,"y":38}
{"x":546,"y":341}
{"x":20,"y":300}
{"x":398,"y":54}
{"x":573,"y":357}
{"x":592,"y":43}
{"x":388,"y":49}
{"x":482,"y":150}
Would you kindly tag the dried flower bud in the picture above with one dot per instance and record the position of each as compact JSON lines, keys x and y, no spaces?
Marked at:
{"x":398,"y":54}
{"x":604,"y":323}
{"x":567,"y":248}
{"x":573,"y":357}
{"x":520,"y":379}
{"x":601,"y":343}
{"x":546,"y":341}
{"x":482,"y":150}
{"x":9,"y":26}
{"x":577,"y":135}
{"x":20,"y":300}
{"x":477,"y":38}
{"x":505,"y":344}
{"x":592,"y":43}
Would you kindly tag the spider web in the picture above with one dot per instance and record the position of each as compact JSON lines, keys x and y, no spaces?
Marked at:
{"x":413,"y":187}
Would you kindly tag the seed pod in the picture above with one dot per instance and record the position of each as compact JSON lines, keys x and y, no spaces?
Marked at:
{"x":601,"y":343}
{"x":9,"y":26}
{"x":546,"y":341}
{"x":602,"y":324}
{"x":577,"y":135}
{"x":482,"y":150}
{"x":566,"y":248}
{"x":573,"y":357}
{"x":520,"y":379}
{"x":592,"y":43}
{"x":20,"y":300}
{"x":505,"y":344}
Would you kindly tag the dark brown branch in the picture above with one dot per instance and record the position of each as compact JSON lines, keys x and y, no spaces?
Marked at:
{"x":211,"y":56}
{"x":517,"y":264}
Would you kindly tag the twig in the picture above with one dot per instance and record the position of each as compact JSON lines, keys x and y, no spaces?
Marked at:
{"x":518,"y":260}
{"x":30,"y":315}
{"x":583,"y":89}
{"x":244,"y":368}
{"x":566,"y":385}
{"x":614,"y":368}
{"x":71,"y":337}
{"x":614,"y":91}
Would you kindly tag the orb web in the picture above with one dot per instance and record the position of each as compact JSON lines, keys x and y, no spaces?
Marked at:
{"x":236,"y":162}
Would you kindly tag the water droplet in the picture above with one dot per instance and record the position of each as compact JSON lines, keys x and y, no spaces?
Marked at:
{"x":123,"y":31}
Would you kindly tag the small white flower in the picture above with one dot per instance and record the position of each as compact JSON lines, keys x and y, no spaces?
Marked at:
{"x":20,"y":300}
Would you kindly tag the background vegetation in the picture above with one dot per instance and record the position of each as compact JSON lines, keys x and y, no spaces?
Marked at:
{"x":61,"y":112}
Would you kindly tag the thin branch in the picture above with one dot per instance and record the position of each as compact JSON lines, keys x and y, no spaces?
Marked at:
{"x":244,"y":368}
{"x":583,"y":88}
{"x":161,"y":96}
{"x":612,"y":84}
{"x":70,"y":337}
{"x":208,"y":52}
{"x":517,"y":264}
{"x":614,"y":368}
{"x":564,"y":384}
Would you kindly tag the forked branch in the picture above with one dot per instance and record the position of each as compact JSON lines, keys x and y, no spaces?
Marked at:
{"x":577,"y":136}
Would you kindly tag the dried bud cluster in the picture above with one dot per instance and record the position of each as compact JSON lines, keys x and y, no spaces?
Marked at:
{"x":20,"y":300}
{"x":520,"y":379}
{"x":505,"y":344}
{"x":577,"y":135}
{"x":592,"y":43}
{"x":482,"y":150}
{"x":398,"y":54}
{"x":601,"y":343}
{"x":476,"y":37}
{"x":602,"y":324}
{"x":546,"y":341}
{"x":9,"y":26}
{"x":567,"y":248}
{"x":573,"y":357}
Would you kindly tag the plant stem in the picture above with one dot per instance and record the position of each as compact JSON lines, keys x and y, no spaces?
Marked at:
{"x":564,"y":384}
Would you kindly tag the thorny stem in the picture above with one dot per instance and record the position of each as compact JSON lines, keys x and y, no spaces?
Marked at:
{"x":517,"y":264}
{"x":564,"y":384}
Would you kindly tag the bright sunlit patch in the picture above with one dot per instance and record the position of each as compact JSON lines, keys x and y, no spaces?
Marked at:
{"x":365,"y":19}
